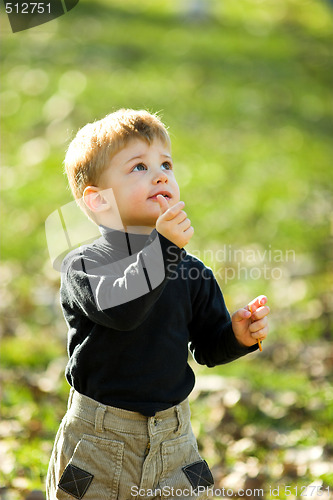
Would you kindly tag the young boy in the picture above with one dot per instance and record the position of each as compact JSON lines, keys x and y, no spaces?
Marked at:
{"x":134,"y":301}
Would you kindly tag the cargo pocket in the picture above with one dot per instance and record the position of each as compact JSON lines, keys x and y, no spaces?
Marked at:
{"x":93,"y":472}
{"x":184,"y":472}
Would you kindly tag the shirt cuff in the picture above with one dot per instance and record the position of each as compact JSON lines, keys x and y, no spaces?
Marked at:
{"x":236,"y":349}
{"x":172,"y":254}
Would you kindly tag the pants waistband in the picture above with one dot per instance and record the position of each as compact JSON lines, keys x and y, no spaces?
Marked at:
{"x":105,"y":417}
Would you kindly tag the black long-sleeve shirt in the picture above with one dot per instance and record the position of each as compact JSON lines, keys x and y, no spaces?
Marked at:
{"x":134,"y":304}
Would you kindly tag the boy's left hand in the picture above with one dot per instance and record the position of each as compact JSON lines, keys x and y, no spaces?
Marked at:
{"x":249,"y":328}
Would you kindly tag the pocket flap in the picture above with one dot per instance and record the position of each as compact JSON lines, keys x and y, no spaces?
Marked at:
{"x":198,"y":474}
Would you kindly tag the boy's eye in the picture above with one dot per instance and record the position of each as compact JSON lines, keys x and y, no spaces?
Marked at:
{"x":167,"y":165}
{"x":139,"y":167}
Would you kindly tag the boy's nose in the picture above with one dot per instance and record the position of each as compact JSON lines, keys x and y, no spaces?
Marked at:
{"x":160,"y":177}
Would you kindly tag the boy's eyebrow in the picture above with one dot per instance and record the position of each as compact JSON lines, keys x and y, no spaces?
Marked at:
{"x":141,"y":156}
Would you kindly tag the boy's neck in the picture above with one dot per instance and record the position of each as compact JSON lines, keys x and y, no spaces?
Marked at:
{"x":144,"y":230}
{"x":116,"y":223}
{"x":138,"y":229}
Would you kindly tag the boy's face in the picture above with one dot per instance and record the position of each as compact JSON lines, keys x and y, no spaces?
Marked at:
{"x":136,"y":175}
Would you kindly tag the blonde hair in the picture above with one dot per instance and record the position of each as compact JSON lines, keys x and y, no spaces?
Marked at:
{"x":90,"y":152}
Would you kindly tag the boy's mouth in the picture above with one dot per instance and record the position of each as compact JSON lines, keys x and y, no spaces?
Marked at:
{"x":166,"y":195}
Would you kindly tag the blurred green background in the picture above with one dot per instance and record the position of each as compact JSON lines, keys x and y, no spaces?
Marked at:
{"x":245,"y":88}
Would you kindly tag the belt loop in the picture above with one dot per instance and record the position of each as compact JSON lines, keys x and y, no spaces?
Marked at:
{"x":70,"y":398}
{"x":180,"y":419}
{"x":99,"y":418}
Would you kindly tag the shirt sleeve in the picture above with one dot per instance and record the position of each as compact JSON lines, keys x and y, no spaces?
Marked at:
{"x":212,"y":340}
{"x":119,"y":294}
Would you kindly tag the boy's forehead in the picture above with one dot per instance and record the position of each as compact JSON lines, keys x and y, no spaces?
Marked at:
{"x":137,"y":147}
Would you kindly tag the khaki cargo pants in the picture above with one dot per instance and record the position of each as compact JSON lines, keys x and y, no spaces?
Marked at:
{"x":106,"y":453}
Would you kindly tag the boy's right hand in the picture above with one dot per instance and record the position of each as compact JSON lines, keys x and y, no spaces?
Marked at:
{"x":173,"y":223}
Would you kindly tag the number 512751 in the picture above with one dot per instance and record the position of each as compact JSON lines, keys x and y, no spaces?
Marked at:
{"x":28,"y":8}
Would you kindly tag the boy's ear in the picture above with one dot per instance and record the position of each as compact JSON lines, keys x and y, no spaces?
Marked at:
{"x":94,"y":200}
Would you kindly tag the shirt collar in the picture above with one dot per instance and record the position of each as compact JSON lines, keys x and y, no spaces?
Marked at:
{"x":122,"y":241}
